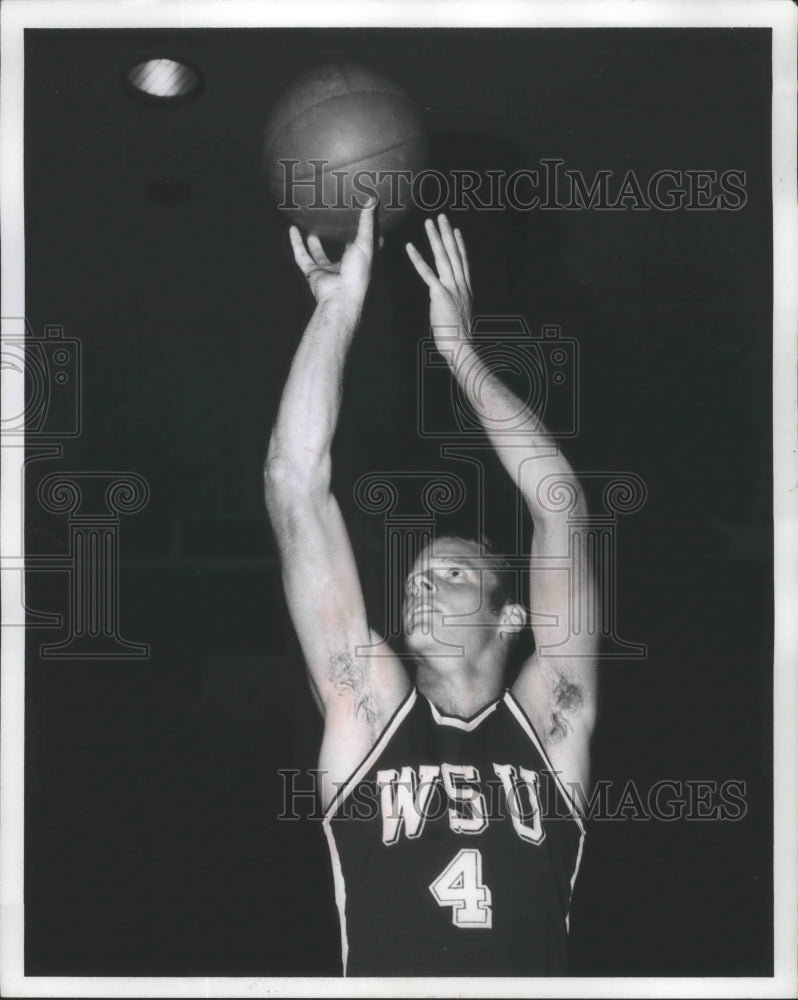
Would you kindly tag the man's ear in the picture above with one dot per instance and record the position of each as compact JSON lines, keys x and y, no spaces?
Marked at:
{"x":512,"y":619}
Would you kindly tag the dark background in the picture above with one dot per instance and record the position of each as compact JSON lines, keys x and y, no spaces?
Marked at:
{"x":152,"y":843}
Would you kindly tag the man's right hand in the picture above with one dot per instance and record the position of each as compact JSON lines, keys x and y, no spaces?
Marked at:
{"x":357,"y":682}
{"x":343,"y":283}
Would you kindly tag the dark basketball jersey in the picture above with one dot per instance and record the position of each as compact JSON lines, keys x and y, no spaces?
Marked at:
{"x":455,"y":848}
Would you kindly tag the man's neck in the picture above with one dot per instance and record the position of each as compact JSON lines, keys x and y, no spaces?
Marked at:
{"x":463,"y":693}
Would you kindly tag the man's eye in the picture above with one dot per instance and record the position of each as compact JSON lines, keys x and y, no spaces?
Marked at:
{"x":455,"y":573}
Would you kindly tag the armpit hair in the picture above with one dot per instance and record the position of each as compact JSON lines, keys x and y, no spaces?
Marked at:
{"x":567,"y":696}
{"x":349,"y":677}
{"x":343,"y":673}
{"x":558,"y":729}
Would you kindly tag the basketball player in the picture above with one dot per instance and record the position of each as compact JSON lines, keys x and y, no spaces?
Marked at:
{"x":451,"y":804}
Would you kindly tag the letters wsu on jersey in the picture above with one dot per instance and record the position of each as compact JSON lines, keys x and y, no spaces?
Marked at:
{"x":409,"y":797}
{"x":450,"y":840}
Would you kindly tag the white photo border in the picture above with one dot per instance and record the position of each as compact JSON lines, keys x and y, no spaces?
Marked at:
{"x":782,"y":17}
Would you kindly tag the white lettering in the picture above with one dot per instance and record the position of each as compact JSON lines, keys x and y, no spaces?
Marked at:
{"x":532,"y":830}
{"x":403,"y":800}
{"x":461,"y":782}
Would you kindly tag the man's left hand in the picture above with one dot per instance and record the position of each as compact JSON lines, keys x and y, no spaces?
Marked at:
{"x":450,"y":289}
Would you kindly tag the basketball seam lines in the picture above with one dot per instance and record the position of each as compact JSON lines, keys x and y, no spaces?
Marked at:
{"x":352,"y":163}
{"x":346,"y":93}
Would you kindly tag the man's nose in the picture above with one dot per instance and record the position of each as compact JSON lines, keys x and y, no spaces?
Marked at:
{"x":421,"y":583}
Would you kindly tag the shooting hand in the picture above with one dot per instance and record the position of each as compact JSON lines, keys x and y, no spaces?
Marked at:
{"x":345,"y":282}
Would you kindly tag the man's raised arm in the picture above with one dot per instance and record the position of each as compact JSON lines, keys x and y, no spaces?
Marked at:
{"x":319,"y":574}
{"x":557,"y":692}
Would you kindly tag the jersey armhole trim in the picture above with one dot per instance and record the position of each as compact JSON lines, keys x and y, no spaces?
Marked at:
{"x":372,"y":756}
{"x":526,"y":724}
{"x":340,"y":893}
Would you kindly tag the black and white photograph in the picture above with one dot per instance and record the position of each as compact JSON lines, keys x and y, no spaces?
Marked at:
{"x":398,"y":496}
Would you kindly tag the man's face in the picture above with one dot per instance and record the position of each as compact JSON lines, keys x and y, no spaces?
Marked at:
{"x":447,"y":593}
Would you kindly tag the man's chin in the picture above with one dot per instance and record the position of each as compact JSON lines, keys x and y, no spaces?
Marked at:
{"x":421,"y":638}
{"x":419,"y":635}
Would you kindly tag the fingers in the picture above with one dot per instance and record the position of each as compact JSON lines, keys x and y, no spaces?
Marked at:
{"x":442,"y":262}
{"x":317,"y":251}
{"x":449,"y":252}
{"x":365,"y":228}
{"x":453,"y":251}
{"x":304,"y":261}
{"x":423,"y":269}
{"x":458,"y":236}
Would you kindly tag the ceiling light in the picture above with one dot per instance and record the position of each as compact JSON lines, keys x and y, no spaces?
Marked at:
{"x":163,"y":80}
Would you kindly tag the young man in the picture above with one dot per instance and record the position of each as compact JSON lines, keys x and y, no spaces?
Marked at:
{"x":451,"y":805}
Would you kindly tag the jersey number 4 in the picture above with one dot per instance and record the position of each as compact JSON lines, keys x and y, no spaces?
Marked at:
{"x":460,"y":886}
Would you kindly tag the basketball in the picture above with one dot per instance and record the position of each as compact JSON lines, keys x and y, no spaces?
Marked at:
{"x":338,"y":134}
